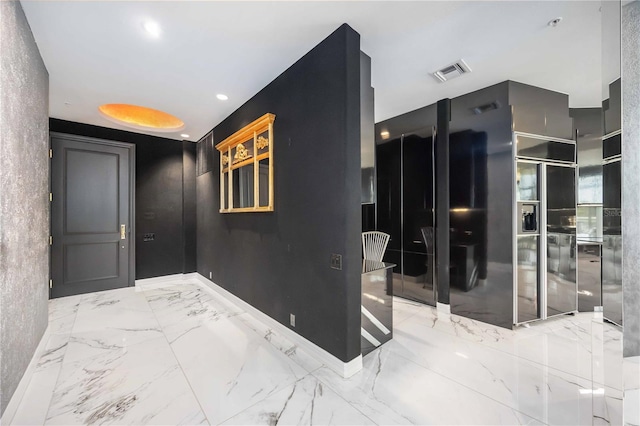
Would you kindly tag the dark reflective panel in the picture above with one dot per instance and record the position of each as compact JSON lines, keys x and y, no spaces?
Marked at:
{"x":377,"y":305}
{"x":545,"y":150}
{"x":612,"y":146}
{"x":404,"y":160}
{"x":561,"y":240}
{"x":589,"y":277}
{"x":389,"y":175}
{"x":417,"y":209}
{"x":612,"y":278}
{"x":528,"y":294}
{"x":481,"y":184}
{"x":263,"y":167}
{"x":612,"y":243}
{"x":588,"y":125}
{"x":243,"y":187}
{"x":226,"y":191}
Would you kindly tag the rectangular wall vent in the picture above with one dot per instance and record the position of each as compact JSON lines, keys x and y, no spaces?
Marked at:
{"x":204,"y":155}
{"x":452,"y":71}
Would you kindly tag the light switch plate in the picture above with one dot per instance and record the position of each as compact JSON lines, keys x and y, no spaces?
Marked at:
{"x":336,"y":261}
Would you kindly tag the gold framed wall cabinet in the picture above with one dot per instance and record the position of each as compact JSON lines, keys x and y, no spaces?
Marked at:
{"x":246,"y":168}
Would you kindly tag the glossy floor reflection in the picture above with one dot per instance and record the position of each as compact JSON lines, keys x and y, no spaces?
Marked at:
{"x":180,"y":354}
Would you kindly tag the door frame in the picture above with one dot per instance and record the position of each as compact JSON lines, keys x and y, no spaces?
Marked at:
{"x":132,"y":195}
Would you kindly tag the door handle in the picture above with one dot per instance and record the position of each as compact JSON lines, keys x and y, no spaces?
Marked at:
{"x":123,"y":232}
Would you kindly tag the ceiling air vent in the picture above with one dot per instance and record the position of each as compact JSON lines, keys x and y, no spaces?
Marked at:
{"x":452,"y":71}
{"x":481,"y":109}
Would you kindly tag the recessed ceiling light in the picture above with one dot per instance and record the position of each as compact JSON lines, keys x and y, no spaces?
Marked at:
{"x":384,"y":134}
{"x":152,"y":28}
{"x":142,"y":118}
{"x":184,"y":135}
{"x":222,"y":97}
{"x":555,"y":22}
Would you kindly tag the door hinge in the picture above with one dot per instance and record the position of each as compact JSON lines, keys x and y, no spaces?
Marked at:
{"x":50,"y":283}
{"x":50,"y":240}
{"x":50,"y":196}
{"x":50,"y":153}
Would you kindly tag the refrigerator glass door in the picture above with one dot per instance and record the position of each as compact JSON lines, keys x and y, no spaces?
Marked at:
{"x":528,"y":242}
{"x":561,"y":291}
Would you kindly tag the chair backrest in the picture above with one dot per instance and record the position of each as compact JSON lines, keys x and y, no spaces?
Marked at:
{"x":427,"y":238}
{"x":374,"y":244}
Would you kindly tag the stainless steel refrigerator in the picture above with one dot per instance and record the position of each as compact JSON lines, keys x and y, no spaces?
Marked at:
{"x":545,"y":228}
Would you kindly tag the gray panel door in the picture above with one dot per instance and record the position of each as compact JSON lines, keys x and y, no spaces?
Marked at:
{"x":90,"y":215}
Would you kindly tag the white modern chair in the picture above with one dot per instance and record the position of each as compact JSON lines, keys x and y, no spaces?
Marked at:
{"x":374,"y":244}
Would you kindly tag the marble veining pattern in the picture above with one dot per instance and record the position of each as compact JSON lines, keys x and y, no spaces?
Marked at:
{"x":181,"y":354}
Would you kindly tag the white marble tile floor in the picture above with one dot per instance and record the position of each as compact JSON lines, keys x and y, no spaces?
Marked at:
{"x":178,"y":353}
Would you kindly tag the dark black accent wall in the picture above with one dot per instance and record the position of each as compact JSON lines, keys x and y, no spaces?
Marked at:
{"x":161,"y":202}
{"x":189,"y":206}
{"x":279,"y":262}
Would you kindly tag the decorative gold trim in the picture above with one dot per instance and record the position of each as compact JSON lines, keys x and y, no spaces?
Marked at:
{"x":246,"y":133}
{"x":243,"y":157}
{"x":242,"y":153}
{"x":240,"y":163}
{"x":262,"y":142}
{"x":247,"y":209}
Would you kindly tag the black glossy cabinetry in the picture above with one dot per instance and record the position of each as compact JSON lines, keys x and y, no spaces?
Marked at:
{"x":404,"y":161}
{"x":477,"y":190}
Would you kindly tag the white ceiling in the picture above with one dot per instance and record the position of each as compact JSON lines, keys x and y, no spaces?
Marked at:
{"x":97,"y":52}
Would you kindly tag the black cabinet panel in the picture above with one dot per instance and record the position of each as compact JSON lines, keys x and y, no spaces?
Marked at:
{"x":481,"y":187}
{"x":388,"y":158}
{"x":612,"y":146}
{"x":405,"y":201}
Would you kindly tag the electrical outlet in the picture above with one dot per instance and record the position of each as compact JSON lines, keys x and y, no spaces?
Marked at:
{"x":292,"y":320}
{"x":336,"y":261}
{"x":210,"y":275}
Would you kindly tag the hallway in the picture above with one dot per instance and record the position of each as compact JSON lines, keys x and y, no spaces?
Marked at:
{"x":179,"y":353}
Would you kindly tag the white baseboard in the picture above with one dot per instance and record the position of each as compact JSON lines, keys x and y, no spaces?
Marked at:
{"x":159,"y":281}
{"x":344,"y":369}
{"x":16,"y":398}
{"x":443,"y":307}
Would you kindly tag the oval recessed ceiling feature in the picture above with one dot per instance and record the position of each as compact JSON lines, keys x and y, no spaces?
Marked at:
{"x":222,"y":97}
{"x":142,"y":118}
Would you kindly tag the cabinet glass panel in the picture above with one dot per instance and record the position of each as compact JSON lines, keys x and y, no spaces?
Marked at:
{"x":263,"y":170}
{"x":612,"y":146}
{"x":243,"y":187}
{"x":527,"y":182}
{"x":612,"y":246}
{"x":225,"y":201}
{"x":528,"y":294}
{"x":561,"y":240}
{"x":545,"y":150}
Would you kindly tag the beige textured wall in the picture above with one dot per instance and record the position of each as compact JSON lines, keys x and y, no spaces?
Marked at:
{"x":24,"y":197}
